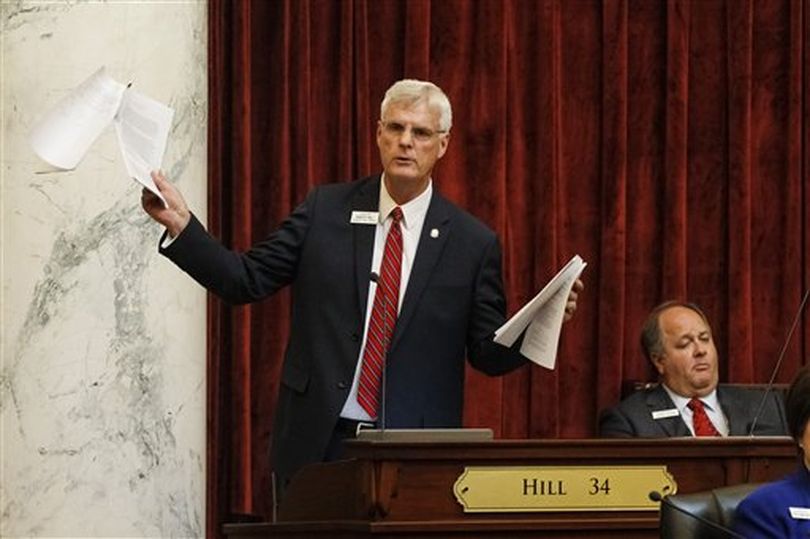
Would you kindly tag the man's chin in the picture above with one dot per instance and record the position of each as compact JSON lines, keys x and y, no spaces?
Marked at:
{"x":704,"y":386}
{"x":402,"y":174}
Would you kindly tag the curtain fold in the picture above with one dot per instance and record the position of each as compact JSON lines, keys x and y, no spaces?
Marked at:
{"x":676,"y":181}
{"x":613,"y":226}
{"x":739,"y":176}
{"x":667,"y":142}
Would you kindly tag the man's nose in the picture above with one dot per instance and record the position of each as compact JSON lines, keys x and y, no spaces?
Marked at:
{"x":406,"y":138}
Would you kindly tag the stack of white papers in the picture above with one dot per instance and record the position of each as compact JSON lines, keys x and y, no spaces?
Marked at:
{"x":65,"y":133}
{"x":542,"y":317}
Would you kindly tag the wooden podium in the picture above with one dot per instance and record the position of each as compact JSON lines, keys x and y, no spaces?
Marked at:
{"x":405,"y":489}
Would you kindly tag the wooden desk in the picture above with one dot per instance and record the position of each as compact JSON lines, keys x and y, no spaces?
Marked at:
{"x":405,"y":489}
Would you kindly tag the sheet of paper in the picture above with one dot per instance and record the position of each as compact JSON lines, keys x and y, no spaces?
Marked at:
{"x":543,"y":334}
{"x":142,"y":125}
{"x":542,"y":317}
{"x":63,"y":135}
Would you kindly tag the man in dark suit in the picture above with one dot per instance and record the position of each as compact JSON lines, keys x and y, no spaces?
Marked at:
{"x":688,"y":401}
{"x":382,"y":267}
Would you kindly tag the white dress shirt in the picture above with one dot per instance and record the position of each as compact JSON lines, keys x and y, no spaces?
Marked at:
{"x":413,"y":219}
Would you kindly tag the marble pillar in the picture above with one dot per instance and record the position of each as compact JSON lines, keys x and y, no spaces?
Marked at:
{"x":102,"y":381}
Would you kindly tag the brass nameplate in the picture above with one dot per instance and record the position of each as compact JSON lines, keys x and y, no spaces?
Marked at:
{"x":561,"y":488}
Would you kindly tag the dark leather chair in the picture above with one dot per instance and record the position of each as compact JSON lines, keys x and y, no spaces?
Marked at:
{"x":716,"y":505}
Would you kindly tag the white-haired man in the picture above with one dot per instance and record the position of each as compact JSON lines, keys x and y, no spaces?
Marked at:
{"x":382,"y":267}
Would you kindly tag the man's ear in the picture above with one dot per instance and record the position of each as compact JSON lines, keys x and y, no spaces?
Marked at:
{"x":658,"y":362}
{"x":444,"y":141}
{"x":379,"y":131}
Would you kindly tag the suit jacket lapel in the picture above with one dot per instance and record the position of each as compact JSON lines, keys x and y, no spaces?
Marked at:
{"x":657,"y":400}
{"x":428,"y":253}
{"x":367,"y":199}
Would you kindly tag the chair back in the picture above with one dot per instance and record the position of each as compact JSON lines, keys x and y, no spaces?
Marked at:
{"x":716,"y":505}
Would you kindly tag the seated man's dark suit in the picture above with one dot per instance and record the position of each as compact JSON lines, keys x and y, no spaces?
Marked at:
{"x":633,"y":417}
{"x":453,"y":303}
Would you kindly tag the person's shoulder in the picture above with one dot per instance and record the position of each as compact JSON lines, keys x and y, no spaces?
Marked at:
{"x":738,"y":389}
{"x":764,"y":512}
{"x":347,"y":187}
{"x":739,"y":393}
{"x":630,"y":405}
{"x":770,"y":493}
{"x":627,"y":418}
{"x":461,"y":217}
{"x":337,"y":196}
{"x":643,"y":395}
{"x":798,"y":481}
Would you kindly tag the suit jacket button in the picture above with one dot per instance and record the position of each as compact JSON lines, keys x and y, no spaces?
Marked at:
{"x":342,"y":385}
{"x":355,"y":337}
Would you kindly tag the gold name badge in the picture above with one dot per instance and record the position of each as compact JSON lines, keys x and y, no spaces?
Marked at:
{"x":502,"y":489}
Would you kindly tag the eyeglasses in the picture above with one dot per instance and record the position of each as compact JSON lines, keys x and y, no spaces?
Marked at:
{"x":420,"y":134}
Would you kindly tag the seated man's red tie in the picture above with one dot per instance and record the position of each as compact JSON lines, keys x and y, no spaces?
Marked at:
{"x":700,"y":421}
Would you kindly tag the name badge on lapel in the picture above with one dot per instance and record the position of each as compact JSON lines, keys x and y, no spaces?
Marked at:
{"x":365,"y":217}
{"x":800,"y":513}
{"x":663,"y":414}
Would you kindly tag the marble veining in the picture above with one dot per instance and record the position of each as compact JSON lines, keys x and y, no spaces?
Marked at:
{"x":102,"y":378}
{"x":115,"y":420}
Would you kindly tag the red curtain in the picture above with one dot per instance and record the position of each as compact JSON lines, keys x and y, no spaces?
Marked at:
{"x":667,"y":142}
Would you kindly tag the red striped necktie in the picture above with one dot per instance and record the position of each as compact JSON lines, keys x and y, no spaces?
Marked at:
{"x":700,"y":421}
{"x":383,"y":319}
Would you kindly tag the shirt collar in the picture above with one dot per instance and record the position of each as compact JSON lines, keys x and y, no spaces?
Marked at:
{"x":680,"y":401}
{"x":413,"y":211}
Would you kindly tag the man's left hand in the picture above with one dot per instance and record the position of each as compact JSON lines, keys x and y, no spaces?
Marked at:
{"x":571,"y":304}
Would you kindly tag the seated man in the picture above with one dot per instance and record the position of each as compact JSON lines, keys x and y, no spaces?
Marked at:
{"x":677,"y":340}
